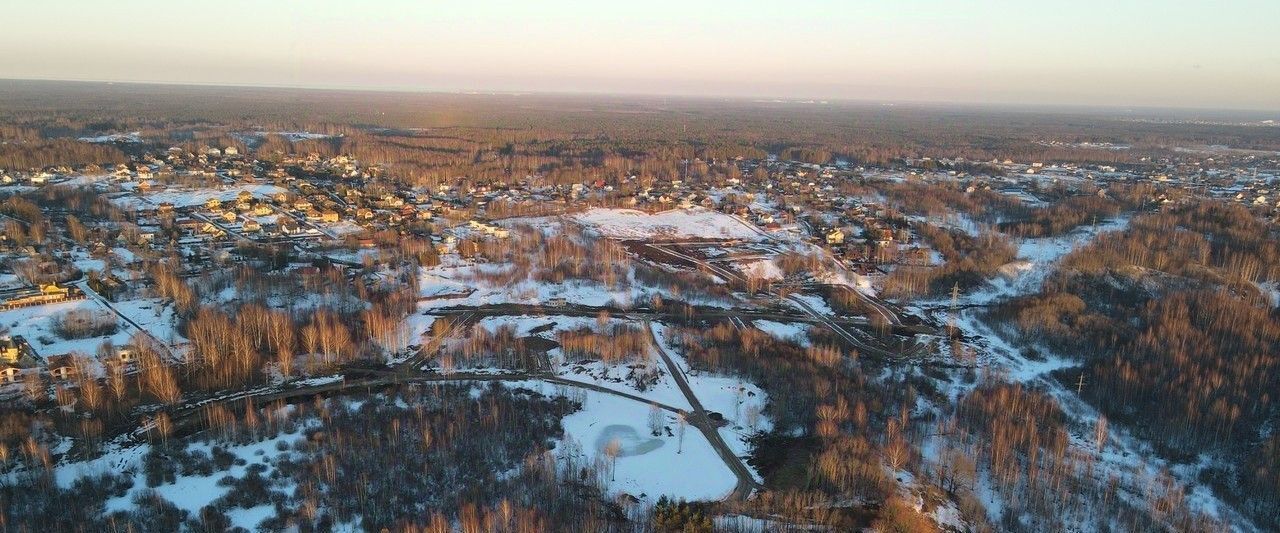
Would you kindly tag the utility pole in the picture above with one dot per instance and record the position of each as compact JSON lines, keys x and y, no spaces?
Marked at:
{"x":1080,"y":384}
{"x":955,"y":305}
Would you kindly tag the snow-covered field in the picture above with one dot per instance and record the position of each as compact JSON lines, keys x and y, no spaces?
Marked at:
{"x":36,"y":325}
{"x":153,"y":315}
{"x":546,"y":326}
{"x":816,"y":302}
{"x":291,"y":136}
{"x":134,"y":137}
{"x":76,"y":181}
{"x":648,"y":467}
{"x":196,"y":197}
{"x":696,"y":222}
{"x":452,"y":284}
{"x":740,"y":402}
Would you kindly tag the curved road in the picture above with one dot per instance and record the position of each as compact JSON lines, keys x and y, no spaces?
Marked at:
{"x":699,"y":419}
{"x":820,"y":317}
{"x":190,"y":416}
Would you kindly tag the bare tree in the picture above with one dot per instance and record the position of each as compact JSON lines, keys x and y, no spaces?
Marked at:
{"x":680,"y":431}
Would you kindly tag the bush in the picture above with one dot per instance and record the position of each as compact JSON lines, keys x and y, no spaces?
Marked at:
{"x":83,"y":324}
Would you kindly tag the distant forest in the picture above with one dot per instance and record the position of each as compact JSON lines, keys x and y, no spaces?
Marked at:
{"x":445,"y":135}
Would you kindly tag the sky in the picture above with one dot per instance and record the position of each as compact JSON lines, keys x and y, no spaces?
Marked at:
{"x":1199,"y":54}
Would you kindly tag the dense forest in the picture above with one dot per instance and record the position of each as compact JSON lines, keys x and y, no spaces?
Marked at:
{"x":1173,"y":335}
{"x":430,"y":137}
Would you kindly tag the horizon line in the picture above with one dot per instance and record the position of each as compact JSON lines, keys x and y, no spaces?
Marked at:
{"x":393,"y":89}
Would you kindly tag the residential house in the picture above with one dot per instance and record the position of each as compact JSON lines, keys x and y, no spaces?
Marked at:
{"x":61,"y":367}
{"x":212,"y":231}
{"x":13,"y":349}
{"x":10,"y":374}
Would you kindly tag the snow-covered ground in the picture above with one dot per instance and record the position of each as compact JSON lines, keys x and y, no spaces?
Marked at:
{"x":89,"y":179}
{"x":1037,"y":258}
{"x":455,"y":277}
{"x":740,"y":402}
{"x":134,"y":137}
{"x":762,"y":269}
{"x":1129,"y":458}
{"x":816,"y":302}
{"x":696,"y":222}
{"x":154,"y":315}
{"x":797,"y":333}
{"x":546,"y":326}
{"x":11,"y":281}
{"x":648,"y":467}
{"x":291,"y":136}
{"x":614,"y":377}
{"x":36,"y":325}
{"x":197,"y":197}
{"x":191,"y":493}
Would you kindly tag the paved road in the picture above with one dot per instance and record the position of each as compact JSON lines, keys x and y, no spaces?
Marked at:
{"x":877,"y":306}
{"x":510,"y":309}
{"x":699,"y":419}
{"x":190,"y":416}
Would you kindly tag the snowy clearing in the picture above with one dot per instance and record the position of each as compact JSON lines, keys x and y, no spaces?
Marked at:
{"x":696,"y":222}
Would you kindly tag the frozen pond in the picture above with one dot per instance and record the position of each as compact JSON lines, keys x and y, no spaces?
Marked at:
{"x":629,"y":440}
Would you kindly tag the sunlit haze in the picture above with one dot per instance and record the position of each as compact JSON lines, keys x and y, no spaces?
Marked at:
{"x":1093,"y":52}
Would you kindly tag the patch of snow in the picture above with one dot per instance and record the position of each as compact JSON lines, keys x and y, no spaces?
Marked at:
{"x":134,"y":137}
{"x":763,"y":269}
{"x":797,"y":333}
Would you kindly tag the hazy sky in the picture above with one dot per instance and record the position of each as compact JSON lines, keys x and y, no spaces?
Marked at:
{"x":1192,"y":53}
